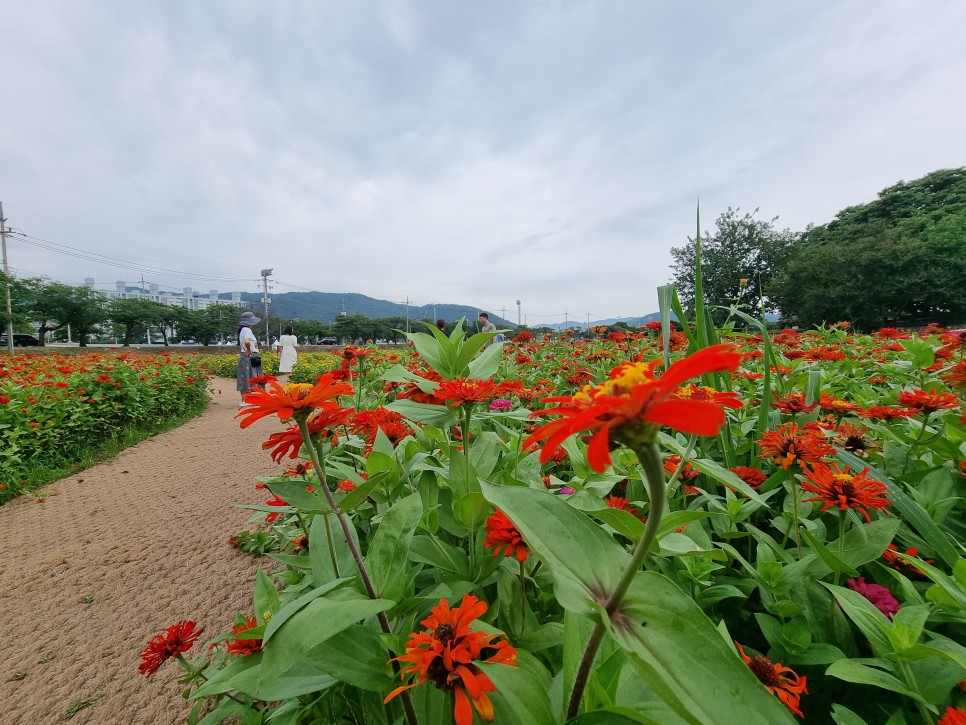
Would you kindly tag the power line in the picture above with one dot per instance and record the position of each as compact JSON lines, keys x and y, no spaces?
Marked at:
{"x":82,"y":229}
{"x":110,"y":261}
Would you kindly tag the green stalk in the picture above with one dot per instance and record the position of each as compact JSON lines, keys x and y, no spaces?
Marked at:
{"x":317,"y":462}
{"x":650,"y":459}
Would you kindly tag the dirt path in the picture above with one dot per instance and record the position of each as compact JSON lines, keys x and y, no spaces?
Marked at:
{"x":116,"y":554}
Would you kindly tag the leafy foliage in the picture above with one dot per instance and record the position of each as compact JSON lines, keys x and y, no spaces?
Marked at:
{"x":898,"y":260}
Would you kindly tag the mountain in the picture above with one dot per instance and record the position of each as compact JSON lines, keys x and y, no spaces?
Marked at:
{"x":326,"y":306}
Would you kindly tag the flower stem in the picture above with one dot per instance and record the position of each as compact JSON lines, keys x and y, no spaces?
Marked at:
{"x":650,"y":459}
{"x":331,"y":543}
{"x":316,"y":457}
{"x":523,"y":600}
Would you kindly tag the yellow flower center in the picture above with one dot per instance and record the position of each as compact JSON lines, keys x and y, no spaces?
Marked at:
{"x":298,"y":391}
{"x":626,"y":378}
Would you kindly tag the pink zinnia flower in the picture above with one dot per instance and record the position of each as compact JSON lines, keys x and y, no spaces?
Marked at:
{"x":501,"y":404}
{"x":877,"y":594}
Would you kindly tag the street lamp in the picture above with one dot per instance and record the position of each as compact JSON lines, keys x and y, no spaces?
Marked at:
{"x":518,"y":314}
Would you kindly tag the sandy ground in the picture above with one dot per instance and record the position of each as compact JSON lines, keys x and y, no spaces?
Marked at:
{"x":116,"y":554}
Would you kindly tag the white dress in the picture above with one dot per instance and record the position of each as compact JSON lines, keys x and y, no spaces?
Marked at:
{"x":287,"y":357}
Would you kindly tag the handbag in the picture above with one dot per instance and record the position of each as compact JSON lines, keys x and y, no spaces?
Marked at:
{"x":256,"y":360}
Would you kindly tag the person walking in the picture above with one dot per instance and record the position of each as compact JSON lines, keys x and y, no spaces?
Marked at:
{"x":288,"y":356}
{"x":249,"y":360}
{"x":487,"y":326}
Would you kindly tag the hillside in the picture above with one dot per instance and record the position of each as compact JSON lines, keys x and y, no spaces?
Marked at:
{"x":326,"y":306}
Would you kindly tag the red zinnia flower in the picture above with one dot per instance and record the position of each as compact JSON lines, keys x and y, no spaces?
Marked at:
{"x":444,"y":655}
{"x":502,"y":535}
{"x":956,"y":375}
{"x":953,"y":716}
{"x":786,"y":446}
{"x":688,"y":473}
{"x":244,"y":647}
{"x":752,"y":476}
{"x":172,"y":642}
{"x":928,"y":402}
{"x":290,"y":440}
{"x":886,"y":412}
{"x":794,"y":403}
{"x":778,"y":679}
{"x":634,"y":403}
{"x":845,"y":490}
{"x":467,"y":390}
{"x":275,"y":501}
{"x":295,"y":397}
{"x":367,"y":423}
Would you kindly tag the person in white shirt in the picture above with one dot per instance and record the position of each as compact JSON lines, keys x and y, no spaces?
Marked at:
{"x":288,"y":356}
{"x":249,"y":361}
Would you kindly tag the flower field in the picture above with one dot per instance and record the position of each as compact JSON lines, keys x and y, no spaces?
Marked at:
{"x":655,"y":527}
{"x":57,"y":412}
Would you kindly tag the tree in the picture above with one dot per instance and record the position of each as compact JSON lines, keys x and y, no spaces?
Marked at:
{"x":741,"y":248}
{"x":900,"y":259}
{"x":212,"y":323}
{"x":80,"y":307}
{"x":135,"y":315}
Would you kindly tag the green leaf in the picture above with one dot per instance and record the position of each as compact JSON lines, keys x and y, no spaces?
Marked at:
{"x":240,"y":674}
{"x":439,"y":416}
{"x":572,"y":545}
{"x":290,"y":667}
{"x":356,"y":656}
{"x":873,"y":623}
{"x":360,"y":493}
{"x":388,"y":553}
{"x":295,"y":495}
{"x":487,"y":364}
{"x":827,"y":557}
{"x":296,"y":605}
{"x":526,"y":700}
{"x":266,"y":597}
{"x":843,"y":716}
{"x":860,"y":674}
{"x":471,"y":510}
{"x":674,"y":645}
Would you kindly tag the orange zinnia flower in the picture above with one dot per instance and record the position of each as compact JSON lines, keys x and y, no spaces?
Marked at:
{"x":467,"y":390}
{"x":845,"y":490}
{"x":295,"y":397}
{"x":502,"y":535}
{"x":634,"y":403}
{"x":778,"y":679}
{"x":928,"y":402}
{"x":786,"y":446}
{"x":444,"y":655}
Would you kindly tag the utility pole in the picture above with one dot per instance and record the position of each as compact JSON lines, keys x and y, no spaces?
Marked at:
{"x":6,"y":280}
{"x":518,"y":314}
{"x":407,"y":313}
{"x":266,"y":273}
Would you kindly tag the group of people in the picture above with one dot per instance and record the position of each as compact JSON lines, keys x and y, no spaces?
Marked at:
{"x":250,"y":360}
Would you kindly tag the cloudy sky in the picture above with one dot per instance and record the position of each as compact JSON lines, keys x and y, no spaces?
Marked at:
{"x":445,"y":151}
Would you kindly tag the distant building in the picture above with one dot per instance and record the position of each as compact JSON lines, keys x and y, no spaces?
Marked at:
{"x":187,"y":298}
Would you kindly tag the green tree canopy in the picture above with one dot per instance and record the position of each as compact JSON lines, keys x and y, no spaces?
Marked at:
{"x":900,"y":259}
{"x":741,"y":248}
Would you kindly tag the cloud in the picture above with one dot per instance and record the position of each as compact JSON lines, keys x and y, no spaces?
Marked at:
{"x":549,"y":152}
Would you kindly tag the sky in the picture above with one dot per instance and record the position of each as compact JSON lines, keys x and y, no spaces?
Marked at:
{"x":439,"y":151}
